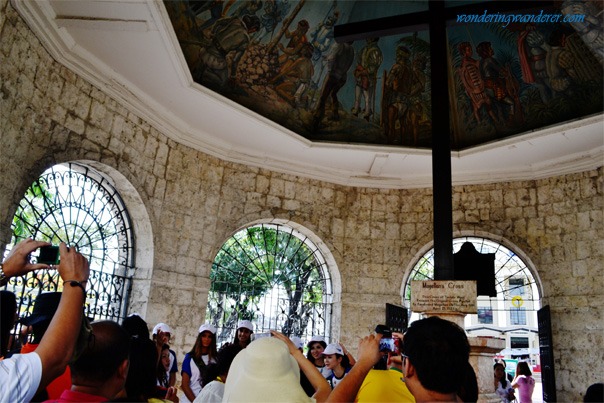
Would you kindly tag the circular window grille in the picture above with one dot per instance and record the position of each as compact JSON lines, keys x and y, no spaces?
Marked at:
{"x":74,"y":204}
{"x":274,"y":276}
{"x":516,"y":288}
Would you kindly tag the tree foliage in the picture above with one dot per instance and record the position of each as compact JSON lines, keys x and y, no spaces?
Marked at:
{"x":265,"y":262}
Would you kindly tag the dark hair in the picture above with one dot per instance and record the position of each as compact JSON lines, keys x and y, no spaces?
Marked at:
{"x":136,"y":326}
{"x":523,"y":369}
{"x":108,"y":347}
{"x":309,"y":345}
{"x":439,"y":351}
{"x":225,"y":357}
{"x":196,"y":352}
{"x":162,"y":374}
{"x":595,"y":393}
{"x":468,"y":390}
{"x":236,"y":339}
{"x":141,"y":380}
{"x":503,"y":379}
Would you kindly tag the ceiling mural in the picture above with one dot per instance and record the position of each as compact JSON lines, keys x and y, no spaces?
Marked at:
{"x":280,"y":59}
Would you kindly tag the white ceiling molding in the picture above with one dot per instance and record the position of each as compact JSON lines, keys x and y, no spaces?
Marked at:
{"x":130,"y":51}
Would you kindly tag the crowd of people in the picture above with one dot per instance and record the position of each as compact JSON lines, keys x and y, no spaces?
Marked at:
{"x":107,"y":361}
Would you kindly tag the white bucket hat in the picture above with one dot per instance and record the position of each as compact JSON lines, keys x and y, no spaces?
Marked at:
{"x":246,"y":324}
{"x":207,"y":327}
{"x":264,"y":372}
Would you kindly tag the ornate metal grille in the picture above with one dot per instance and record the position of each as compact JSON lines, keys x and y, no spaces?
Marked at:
{"x":74,"y":204}
{"x":512,"y":277}
{"x":274,"y":276}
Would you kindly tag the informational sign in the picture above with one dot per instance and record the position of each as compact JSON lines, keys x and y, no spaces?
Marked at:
{"x":443,"y":296}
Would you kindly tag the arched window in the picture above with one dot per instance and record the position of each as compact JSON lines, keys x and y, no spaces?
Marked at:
{"x":514,"y":308}
{"x":74,"y":204}
{"x":274,"y":276}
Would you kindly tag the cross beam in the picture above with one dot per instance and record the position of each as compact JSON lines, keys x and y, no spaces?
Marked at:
{"x":435,"y":19}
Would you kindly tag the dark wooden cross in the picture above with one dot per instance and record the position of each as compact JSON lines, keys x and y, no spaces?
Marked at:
{"x":435,"y":20}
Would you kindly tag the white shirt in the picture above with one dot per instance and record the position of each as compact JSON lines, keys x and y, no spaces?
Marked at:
{"x":20,"y":377}
{"x":211,"y":393}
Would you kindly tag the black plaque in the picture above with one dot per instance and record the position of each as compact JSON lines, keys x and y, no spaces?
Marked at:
{"x":546,"y":351}
{"x":396,"y":318}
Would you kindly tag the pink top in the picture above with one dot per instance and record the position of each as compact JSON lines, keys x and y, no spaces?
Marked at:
{"x":526,"y":385}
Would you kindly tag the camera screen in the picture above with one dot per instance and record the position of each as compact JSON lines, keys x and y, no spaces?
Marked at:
{"x":387,"y":345}
{"x":49,"y":255}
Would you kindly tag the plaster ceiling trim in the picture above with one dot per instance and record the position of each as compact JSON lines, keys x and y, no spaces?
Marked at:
{"x":42,"y":19}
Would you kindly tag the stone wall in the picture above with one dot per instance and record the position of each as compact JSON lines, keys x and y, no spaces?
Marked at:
{"x":185,"y":204}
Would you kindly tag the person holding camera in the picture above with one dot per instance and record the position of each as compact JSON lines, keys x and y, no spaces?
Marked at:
{"x":23,"y":374}
{"x":383,"y":382}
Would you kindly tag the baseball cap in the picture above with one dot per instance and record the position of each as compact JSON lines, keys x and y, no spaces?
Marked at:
{"x":207,"y":327}
{"x":161,"y":327}
{"x":246,"y":324}
{"x":333,"y":348}
{"x":297,"y":341}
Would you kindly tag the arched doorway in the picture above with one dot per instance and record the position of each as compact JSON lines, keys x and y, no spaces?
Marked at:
{"x":511,"y":314}
{"x":275,"y":276}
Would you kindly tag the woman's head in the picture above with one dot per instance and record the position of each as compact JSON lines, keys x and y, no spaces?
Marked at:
{"x":164,"y":358}
{"x":243,"y":335}
{"x":206,"y":341}
{"x":333,"y":356}
{"x":498,"y":370}
{"x":523,"y":369}
{"x":316,"y":346}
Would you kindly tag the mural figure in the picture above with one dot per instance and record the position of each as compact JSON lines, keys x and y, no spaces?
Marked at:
{"x":591,"y":29}
{"x":532,"y":52}
{"x":559,"y":64}
{"x":294,"y":78}
{"x":323,"y":42}
{"x":501,"y":85}
{"x":365,"y":74}
{"x":223,"y":47}
{"x":339,"y":64}
{"x":403,"y":86}
{"x":417,"y":113}
{"x":297,"y":41}
{"x":473,"y":83}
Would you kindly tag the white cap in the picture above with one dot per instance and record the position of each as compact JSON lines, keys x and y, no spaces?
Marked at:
{"x":161,"y":327}
{"x":316,"y":338}
{"x":246,"y":324}
{"x":297,"y":341}
{"x":207,"y":327}
{"x":333,"y":348}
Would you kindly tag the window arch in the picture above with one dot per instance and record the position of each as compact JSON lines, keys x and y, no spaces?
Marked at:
{"x":75,"y":204}
{"x":517,"y":289}
{"x":276,"y":277}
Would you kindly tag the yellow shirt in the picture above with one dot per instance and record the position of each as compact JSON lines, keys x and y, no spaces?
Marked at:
{"x":384,"y":386}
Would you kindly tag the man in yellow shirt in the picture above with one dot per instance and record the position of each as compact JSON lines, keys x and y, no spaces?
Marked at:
{"x":385,"y":385}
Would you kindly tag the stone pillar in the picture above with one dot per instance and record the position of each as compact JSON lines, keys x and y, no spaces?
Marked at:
{"x":482,"y":350}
